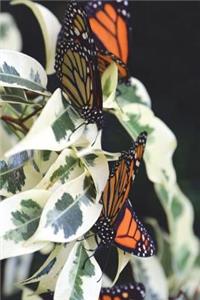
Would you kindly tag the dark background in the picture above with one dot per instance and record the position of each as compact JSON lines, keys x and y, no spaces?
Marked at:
{"x":165,"y":56}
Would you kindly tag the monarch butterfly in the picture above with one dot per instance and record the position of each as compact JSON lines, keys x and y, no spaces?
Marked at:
{"x":131,"y":291}
{"x":109,"y":22}
{"x":76,"y":64}
{"x":118,"y":225}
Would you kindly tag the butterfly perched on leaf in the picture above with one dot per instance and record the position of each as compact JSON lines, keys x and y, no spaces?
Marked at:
{"x":131,"y":291}
{"x":76,"y":64}
{"x":109,"y":21}
{"x":118,"y":224}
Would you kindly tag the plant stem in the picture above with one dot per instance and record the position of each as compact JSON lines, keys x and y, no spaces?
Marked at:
{"x":15,"y":123}
{"x":31,"y":115}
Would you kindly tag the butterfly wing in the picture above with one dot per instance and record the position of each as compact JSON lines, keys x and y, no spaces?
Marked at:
{"x":105,"y":58}
{"x":109,"y":22}
{"x":120,"y":180}
{"x":132,"y":291}
{"x":76,"y":64}
{"x":131,"y":235}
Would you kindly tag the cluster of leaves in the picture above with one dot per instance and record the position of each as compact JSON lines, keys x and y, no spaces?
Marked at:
{"x":53,"y":171}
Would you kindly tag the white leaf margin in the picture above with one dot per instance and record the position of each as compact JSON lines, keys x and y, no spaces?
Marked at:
{"x":47,"y":274}
{"x":149,"y":271}
{"x":26,"y":67}
{"x":90,"y":285}
{"x":9,"y":248}
{"x":50,"y":27}
{"x":41,"y":135}
{"x":90,"y":213}
{"x":12,"y":39}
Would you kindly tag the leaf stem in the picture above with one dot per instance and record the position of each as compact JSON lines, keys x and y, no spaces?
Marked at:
{"x":17,"y":124}
{"x":31,"y":115}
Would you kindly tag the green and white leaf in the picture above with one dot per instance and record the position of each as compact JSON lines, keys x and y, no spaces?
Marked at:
{"x":19,"y":219}
{"x":150,"y":272}
{"x":17,"y":174}
{"x":90,"y":142}
{"x":80,"y":277}
{"x":97,"y":166}
{"x":57,"y":127}
{"x":109,"y":84}
{"x":93,"y":157}
{"x":158,"y":159}
{"x":191,"y":283}
{"x":50,"y":28}
{"x":184,"y":247}
{"x":136,"y":117}
{"x":8,"y":139}
{"x":10,"y":37}
{"x":19,"y":70}
{"x":44,"y":280}
{"x":89,"y":139}
{"x":164,"y":252}
{"x":65,"y":168}
{"x":23,"y":171}
{"x":70,"y":211}
{"x":159,"y":151}
{"x":19,"y":96}
{"x":135,"y":92}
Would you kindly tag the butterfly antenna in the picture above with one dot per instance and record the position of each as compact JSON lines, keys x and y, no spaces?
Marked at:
{"x":95,"y":251}
{"x":86,"y":260}
{"x":95,"y":139}
{"x":85,"y":238}
{"x":75,"y":130}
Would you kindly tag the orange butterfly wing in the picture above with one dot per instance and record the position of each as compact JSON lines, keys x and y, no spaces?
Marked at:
{"x":131,"y":236}
{"x":110,"y":28}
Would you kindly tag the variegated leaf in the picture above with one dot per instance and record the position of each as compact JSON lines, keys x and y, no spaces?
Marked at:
{"x":135,"y":92}
{"x":57,"y":127}
{"x":137,"y":117}
{"x":9,"y":140}
{"x":18,"y":70}
{"x":14,"y":95}
{"x":109,"y":84}
{"x":164,"y":252}
{"x":70,"y":211}
{"x":65,"y":168}
{"x":50,"y":28}
{"x":80,"y":278}
{"x":150,"y":272}
{"x":23,"y":171}
{"x":97,"y":166}
{"x":10,"y":37}
{"x":44,"y":280}
{"x":184,"y":247}
{"x":19,"y":219}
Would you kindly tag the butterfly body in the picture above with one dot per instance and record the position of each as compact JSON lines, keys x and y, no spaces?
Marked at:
{"x":131,"y":291}
{"x":105,"y":231}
